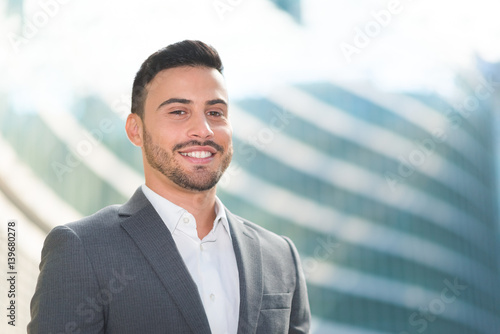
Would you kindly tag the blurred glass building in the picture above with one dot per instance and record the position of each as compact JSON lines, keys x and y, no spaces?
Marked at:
{"x":390,"y":198}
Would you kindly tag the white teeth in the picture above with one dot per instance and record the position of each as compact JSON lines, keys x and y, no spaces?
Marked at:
{"x":198,"y":154}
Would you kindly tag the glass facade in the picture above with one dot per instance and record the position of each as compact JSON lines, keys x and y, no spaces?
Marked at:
{"x":393,"y":215}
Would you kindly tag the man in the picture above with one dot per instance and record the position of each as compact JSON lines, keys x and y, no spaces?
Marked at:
{"x":172,"y":259}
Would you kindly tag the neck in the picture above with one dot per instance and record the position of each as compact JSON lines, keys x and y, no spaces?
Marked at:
{"x":200,"y":204}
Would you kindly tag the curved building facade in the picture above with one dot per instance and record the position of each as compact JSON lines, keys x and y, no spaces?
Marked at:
{"x":390,"y":198}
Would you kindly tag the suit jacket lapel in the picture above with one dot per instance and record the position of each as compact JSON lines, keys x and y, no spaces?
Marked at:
{"x":153,"y":238}
{"x":249,"y":260}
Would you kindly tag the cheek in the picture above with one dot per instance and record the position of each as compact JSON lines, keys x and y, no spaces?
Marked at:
{"x":226,"y":142}
{"x":225,"y":136}
{"x":166,"y":139}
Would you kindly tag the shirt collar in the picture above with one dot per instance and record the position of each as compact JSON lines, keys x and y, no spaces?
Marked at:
{"x":221,"y":217}
{"x":171,"y":214}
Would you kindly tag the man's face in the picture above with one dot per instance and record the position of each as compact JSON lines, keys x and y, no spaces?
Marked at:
{"x":186,"y":131}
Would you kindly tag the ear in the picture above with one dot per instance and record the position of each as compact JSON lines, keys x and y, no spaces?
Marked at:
{"x":133,"y":127}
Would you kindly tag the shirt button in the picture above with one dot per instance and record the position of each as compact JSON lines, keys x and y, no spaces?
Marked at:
{"x":212,"y":297}
{"x":186,"y":220}
{"x":201,"y":246}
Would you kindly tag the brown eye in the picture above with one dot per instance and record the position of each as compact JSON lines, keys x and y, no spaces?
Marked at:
{"x":215,"y":113}
{"x":177,"y":112}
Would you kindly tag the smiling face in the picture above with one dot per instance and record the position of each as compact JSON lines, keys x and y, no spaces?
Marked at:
{"x":185,"y":133}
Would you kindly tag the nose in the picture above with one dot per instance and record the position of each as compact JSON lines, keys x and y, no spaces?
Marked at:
{"x":199,"y":126}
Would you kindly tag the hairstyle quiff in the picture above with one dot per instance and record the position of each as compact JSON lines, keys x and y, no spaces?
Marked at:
{"x":184,"y":53}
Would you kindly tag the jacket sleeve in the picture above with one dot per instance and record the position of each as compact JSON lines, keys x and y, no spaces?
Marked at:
{"x":67,"y":288}
{"x":300,"y":317}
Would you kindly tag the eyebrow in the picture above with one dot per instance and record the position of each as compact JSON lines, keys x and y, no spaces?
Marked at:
{"x":216,"y":101}
{"x":174,"y":100}
{"x":186,"y":101}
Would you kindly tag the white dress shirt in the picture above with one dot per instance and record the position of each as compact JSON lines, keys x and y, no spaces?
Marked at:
{"x":211,"y":261}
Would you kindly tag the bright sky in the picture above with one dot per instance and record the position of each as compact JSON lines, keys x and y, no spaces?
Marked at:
{"x":423,"y":43}
{"x":97,"y":46}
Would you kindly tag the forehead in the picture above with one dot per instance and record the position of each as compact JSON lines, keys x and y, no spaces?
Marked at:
{"x":193,"y":82}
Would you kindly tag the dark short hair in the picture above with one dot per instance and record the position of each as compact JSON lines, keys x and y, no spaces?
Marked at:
{"x":184,"y":53}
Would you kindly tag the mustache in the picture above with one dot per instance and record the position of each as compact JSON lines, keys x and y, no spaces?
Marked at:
{"x":199,"y":143}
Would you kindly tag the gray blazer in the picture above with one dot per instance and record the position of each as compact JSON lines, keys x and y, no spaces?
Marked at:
{"x":119,"y":271}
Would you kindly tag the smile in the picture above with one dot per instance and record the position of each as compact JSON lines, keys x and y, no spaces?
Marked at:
{"x":198,"y":154}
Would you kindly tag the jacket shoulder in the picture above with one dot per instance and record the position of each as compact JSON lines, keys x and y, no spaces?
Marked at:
{"x":103,"y":221}
{"x":110,"y":216}
{"x":268,"y":239}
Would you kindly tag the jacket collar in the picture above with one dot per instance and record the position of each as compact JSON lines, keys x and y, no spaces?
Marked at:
{"x":134,"y":204}
{"x":153,"y":238}
{"x":249,"y":260}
